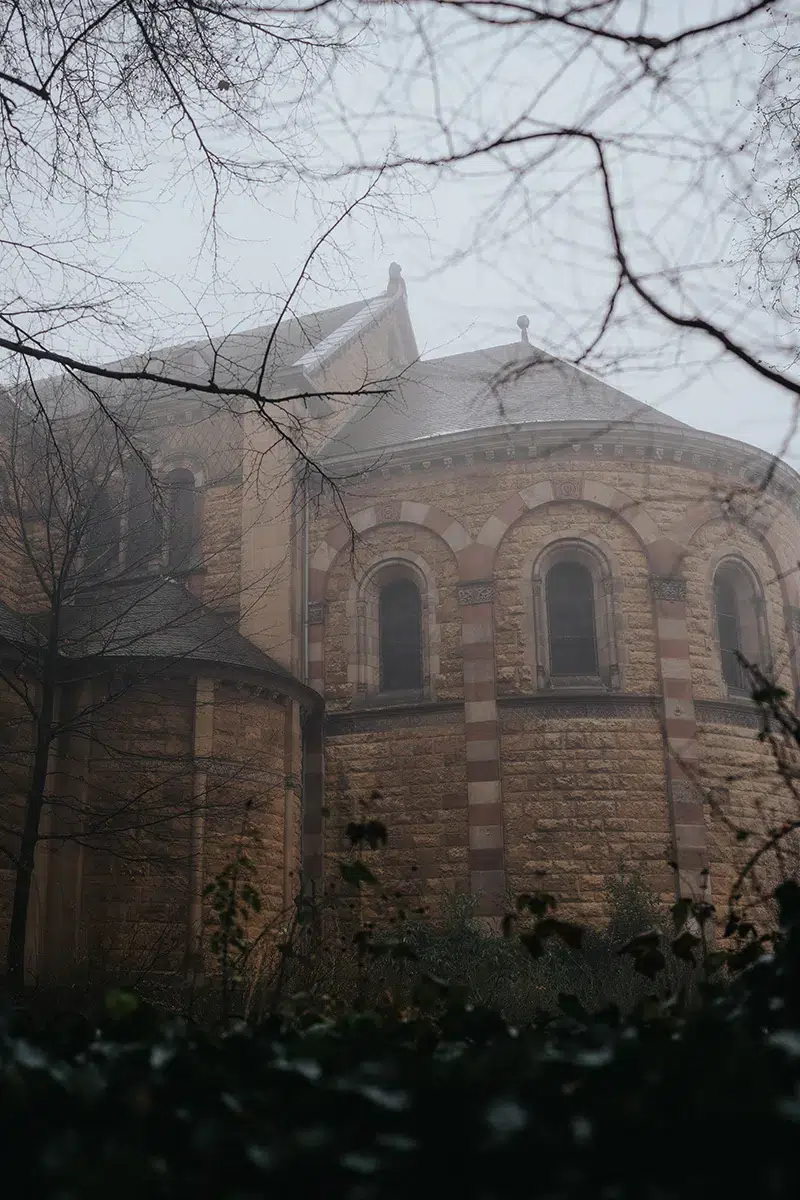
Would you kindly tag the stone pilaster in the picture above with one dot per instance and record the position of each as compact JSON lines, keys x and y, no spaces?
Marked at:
{"x":486,"y":858}
{"x":687,"y":819}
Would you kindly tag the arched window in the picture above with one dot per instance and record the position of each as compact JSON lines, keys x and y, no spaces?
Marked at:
{"x":400,"y":636}
{"x":740,"y":625}
{"x":181,"y":520}
{"x":571,"y":621}
{"x":142,"y":519}
{"x":102,"y":535}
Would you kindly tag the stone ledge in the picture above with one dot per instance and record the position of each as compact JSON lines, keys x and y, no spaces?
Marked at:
{"x":593,"y":705}
{"x":742,"y":713}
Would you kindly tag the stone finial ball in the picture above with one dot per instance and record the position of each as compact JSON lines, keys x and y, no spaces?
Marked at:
{"x":523,"y":322}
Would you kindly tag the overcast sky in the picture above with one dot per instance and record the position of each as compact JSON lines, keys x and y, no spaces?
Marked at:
{"x":476,"y":252}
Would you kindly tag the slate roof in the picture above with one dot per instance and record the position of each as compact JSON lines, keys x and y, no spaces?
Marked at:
{"x":16,"y":628}
{"x":156,"y":618}
{"x":235,"y":359}
{"x":506,"y":385}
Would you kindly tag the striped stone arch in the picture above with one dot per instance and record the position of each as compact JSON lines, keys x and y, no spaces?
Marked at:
{"x":391,"y":512}
{"x":785,"y":565}
{"x":706,"y":511}
{"x":549,"y":491}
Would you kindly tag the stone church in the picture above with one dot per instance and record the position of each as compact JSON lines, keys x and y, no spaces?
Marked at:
{"x":487,"y":599}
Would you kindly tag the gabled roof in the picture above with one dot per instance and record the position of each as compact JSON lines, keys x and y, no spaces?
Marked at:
{"x":299,"y":344}
{"x":507,"y":385}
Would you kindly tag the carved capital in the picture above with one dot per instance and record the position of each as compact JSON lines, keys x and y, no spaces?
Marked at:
{"x":480,"y":591}
{"x":668,"y":587}
{"x":316,"y":612}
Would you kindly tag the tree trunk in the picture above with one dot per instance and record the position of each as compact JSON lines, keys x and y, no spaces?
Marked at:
{"x":34,"y":803}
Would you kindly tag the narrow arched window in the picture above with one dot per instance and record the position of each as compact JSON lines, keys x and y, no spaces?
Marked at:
{"x":181,"y":520}
{"x":400,"y":636}
{"x":142,"y":518}
{"x":741,"y":629}
{"x":571,"y":620}
{"x":102,"y":535}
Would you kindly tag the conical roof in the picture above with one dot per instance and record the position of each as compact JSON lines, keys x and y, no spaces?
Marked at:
{"x":507,"y":385}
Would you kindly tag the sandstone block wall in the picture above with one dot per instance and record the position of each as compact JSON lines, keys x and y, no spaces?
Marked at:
{"x":575,"y":797}
{"x":417,"y":766}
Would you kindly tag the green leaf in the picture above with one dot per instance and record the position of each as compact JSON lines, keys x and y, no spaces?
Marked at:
{"x":570,"y":933}
{"x":572,"y":1007}
{"x":684,"y":946}
{"x":375,"y":834}
{"x":537,"y":903}
{"x":680,"y":912}
{"x":717,"y":960}
{"x":649,"y":963}
{"x":356,"y":873}
{"x":533,"y":944}
{"x":641,"y":943}
{"x":121,"y":1003}
{"x":787,"y":895}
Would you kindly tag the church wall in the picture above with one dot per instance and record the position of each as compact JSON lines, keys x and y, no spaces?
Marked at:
{"x":221,"y":546}
{"x":135,"y":865}
{"x":744,"y":791}
{"x":267,"y":542}
{"x":582,"y":799}
{"x":416,"y":763}
{"x":247,"y":790}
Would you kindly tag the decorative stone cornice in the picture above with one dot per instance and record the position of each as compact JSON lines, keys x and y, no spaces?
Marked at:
{"x":742,"y":713}
{"x":401,"y":717}
{"x":479,"y":591}
{"x":668,"y":587}
{"x":598,"y":707}
{"x":735,"y":462}
{"x":541,"y":707}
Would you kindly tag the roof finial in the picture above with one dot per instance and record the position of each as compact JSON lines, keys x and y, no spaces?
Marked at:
{"x":396,"y":281}
{"x":523,"y":323}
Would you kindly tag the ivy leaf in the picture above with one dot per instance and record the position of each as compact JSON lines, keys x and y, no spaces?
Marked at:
{"x":375,"y":834}
{"x":680,"y":912}
{"x":717,"y":960}
{"x":572,"y":1007}
{"x":787,"y":895}
{"x":536,"y":903}
{"x":570,"y":933}
{"x":356,"y":873}
{"x":532,"y":943}
{"x":641,"y":943}
{"x":684,"y":945}
{"x":121,"y":1003}
{"x":649,"y":963}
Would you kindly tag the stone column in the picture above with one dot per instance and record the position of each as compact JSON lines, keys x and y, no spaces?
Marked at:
{"x":487,"y":878}
{"x":685,"y":799}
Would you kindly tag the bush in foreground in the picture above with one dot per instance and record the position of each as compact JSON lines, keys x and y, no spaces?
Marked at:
{"x":668,"y":1102}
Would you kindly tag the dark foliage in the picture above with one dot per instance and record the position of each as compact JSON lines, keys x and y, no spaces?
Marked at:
{"x":669,"y":1102}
